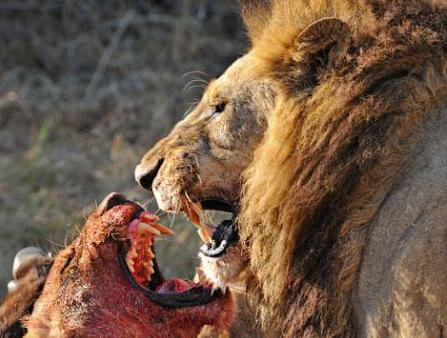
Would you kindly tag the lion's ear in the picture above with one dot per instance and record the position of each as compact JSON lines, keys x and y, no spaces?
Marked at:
{"x":256,"y":14}
{"x":319,"y":46}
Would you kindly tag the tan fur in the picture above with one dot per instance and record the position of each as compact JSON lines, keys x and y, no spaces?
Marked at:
{"x":328,"y":160}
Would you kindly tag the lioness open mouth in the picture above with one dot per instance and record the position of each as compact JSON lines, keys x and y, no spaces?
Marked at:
{"x":138,"y":262}
{"x":216,"y":238}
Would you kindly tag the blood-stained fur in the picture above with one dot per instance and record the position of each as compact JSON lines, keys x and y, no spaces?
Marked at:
{"x":91,"y":291}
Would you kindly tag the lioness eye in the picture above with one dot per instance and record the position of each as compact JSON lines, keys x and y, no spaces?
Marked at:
{"x":220,"y":107}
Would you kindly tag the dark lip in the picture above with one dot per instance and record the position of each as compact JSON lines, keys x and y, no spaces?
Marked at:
{"x":225,"y":234}
{"x":217,"y":204}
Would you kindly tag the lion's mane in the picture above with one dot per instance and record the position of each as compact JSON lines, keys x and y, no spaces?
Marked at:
{"x":329,"y":157}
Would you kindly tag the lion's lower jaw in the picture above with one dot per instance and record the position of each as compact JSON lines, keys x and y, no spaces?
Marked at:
{"x":222,"y":271}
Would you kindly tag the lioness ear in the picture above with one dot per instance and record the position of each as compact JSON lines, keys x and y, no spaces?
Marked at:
{"x":318,"y":47}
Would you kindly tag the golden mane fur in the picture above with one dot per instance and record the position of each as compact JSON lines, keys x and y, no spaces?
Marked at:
{"x":329,"y":157}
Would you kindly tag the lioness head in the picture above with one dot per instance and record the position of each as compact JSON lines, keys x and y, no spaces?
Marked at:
{"x":203,"y":158}
{"x":107,"y":283}
{"x":205,"y":153}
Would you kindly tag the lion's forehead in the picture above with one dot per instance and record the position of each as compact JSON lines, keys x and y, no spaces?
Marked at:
{"x":246,"y":68}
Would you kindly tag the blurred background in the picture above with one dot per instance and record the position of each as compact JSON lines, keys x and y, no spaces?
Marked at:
{"x":86,"y":87}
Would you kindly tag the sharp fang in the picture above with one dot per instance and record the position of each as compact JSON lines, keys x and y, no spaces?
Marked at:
{"x":132,"y":254}
{"x":148,"y":227}
{"x":164,"y":230}
{"x":130,"y":265}
{"x":148,"y":217}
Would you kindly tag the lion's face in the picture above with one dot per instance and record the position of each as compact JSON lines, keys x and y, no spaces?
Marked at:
{"x":206,"y":152}
{"x":202,"y":159}
{"x":319,"y":147}
{"x":201,"y":163}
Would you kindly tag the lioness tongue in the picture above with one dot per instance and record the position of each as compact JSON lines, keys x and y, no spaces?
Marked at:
{"x":175,"y":286}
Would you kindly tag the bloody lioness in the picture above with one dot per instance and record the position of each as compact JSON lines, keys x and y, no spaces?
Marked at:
{"x":107,"y":284}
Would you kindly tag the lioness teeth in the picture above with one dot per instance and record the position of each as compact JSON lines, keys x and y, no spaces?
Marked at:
{"x":150,"y":228}
{"x":164,"y":230}
{"x":129,"y":263}
{"x":141,"y":233}
{"x":149,"y":217}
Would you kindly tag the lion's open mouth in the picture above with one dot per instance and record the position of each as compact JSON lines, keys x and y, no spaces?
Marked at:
{"x":138,"y":262}
{"x":216,"y":238}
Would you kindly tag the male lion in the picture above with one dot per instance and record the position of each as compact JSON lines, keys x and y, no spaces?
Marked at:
{"x":328,"y":140}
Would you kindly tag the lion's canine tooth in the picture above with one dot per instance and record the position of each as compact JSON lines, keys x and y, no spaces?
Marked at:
{"x":148,"y":227}
{"x":204,"y":236}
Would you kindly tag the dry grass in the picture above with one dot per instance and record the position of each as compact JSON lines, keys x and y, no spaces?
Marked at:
{"x":85,"y":88}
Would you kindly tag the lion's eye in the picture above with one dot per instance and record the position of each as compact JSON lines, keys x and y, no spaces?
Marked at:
{"x":220,"y":107}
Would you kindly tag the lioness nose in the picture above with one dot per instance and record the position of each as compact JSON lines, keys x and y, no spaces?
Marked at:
{"x":146,"y":173}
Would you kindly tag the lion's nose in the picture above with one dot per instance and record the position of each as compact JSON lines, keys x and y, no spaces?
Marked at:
{"x":146,"y":173}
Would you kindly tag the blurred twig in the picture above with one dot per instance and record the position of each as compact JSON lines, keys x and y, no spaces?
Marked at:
{"x":105,"y":58}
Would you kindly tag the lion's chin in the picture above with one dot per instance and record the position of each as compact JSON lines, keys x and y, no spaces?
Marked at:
{"x":220,"y":253}
{"x":224,"y":270}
